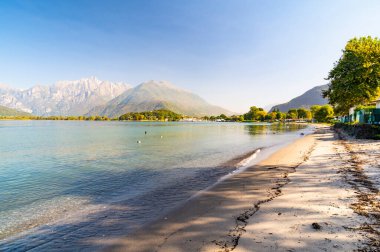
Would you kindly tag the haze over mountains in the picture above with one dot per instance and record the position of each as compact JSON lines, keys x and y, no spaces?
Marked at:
{"x":311,"y":97}
{"x":5,"y":111}
{"x":153,"y":95}
{"x":63,"y":98}
{"x":91,"y":96}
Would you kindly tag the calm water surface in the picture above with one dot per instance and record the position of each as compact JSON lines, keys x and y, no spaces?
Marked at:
{"x":63,"y":183}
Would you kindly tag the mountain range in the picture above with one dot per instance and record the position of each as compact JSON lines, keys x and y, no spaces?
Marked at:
{"x":91,"y":96}
{"x":311,"y":97}
{"x":153,"y":95}
{"x":63,"y":98}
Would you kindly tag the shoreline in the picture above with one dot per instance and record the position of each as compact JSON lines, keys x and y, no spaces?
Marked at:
{"x":303,"y":197}
{"x":237,"y":164}
{"x":318,"y":192}
{"x":272,"y":177}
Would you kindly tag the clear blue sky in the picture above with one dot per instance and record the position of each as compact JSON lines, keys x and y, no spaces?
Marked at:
{"x":234,"y":53}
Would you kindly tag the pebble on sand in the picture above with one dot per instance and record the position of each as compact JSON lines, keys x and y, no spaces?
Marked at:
{"x":316,"y":226}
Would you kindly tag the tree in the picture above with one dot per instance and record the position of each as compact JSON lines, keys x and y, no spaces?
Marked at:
{"x":271,"y":116}
{"x":261,"y":114}
{"x":324,"y":114}
{"x":236,"y":118}
{"x":314,"y":109}
{"x":280,"y":115}
{"x":308,"y":115}
{"x":255,"y":114}
{"x":355,"y":77}
{"x":303,"y":114}
{"x":223,"y":116}
{"x":292,"y":114}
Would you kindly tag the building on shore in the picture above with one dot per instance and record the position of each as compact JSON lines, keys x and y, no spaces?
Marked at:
{"x":370,"y":114}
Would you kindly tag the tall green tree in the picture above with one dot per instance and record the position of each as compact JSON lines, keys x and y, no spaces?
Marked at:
{"x":303,"y":114}
{"x":355,"y":78}
{"x":314,"y":109}
{"x":255,"y":114}
{"x":280,"y":115}
{"x":292,"y":114}
{"x":324,"y":113}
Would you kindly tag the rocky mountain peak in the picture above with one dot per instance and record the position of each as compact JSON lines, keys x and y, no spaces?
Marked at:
{"x":68,"y":97}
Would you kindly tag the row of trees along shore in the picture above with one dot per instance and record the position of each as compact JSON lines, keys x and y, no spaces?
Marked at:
{"x":58,"y":118}
{"x":255,"y":114}
{"x":324,"y":113}
{"x":156,"y":115}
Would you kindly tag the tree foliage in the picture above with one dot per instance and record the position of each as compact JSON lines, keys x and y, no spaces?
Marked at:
{"x":292,"y":114}
{"x":303,"y":114}
{"x":355,"y":78}
{"x":323,"y":113}
{"x":314,"y":109}
{"x":233,"y":118}
{"x":57,"y":118}
{"x":255,"y":114}
{"x":156,"y":115}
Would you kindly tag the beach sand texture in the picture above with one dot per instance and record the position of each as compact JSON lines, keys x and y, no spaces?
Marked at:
{"x":270,"y":207}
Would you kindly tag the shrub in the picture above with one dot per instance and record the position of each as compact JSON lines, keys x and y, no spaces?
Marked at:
{"x":361,"y":131}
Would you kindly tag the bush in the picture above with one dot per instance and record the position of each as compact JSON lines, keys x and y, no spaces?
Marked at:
{"x":361,"y":131}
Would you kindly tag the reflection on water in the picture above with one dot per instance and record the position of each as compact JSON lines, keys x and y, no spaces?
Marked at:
{"x":93,"y":179}
{"x":257,"y":129}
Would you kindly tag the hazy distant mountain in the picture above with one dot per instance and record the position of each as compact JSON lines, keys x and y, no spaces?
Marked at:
{"x":4,"y":111}
{"x":155,"y":95}
{"x":63,"y":98}
{"x":309,"y":98}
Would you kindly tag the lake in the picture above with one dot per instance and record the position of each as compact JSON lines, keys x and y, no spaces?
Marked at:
{"x":64,"y":183}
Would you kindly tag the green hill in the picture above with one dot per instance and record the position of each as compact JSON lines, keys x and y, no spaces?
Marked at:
{"x":311,"y":97}
{"x":4,"y":111}
{"x":154,"y":95}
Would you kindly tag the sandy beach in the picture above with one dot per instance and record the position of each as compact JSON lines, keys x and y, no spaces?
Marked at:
{"x":312,"y":195}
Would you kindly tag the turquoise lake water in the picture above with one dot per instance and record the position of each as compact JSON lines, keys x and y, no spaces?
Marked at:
{"x":65,"y":182}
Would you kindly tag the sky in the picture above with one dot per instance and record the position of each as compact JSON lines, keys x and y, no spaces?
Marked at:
{"x":233,"y":53}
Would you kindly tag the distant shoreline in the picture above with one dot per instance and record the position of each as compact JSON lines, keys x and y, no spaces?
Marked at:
{"x":115,"y":119}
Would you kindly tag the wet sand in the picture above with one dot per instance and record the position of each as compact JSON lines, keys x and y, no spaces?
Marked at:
{"x":301,"y":198}
{"x":215,"y":220}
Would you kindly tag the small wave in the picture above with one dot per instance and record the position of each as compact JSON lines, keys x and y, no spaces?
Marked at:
{"x":248,"y":160}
